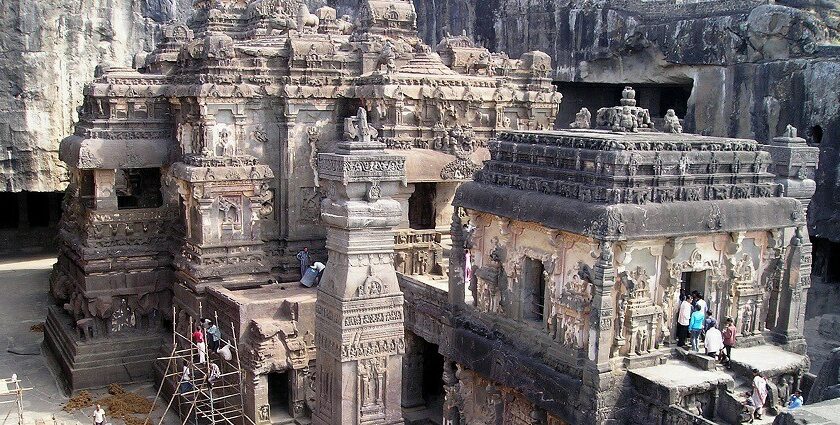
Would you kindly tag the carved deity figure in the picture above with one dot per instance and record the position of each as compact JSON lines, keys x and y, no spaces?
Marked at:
{"x":583,"y":119}
{"x":227,"y":142}
{"x":642,"y":341}
{"x":672,"y":122}
{"x":790,"y":132}
{"x":358,"y":128}
{"x":747,"y":320}
{"x":745,"y":269}
{"x":625,"y":121}
{"x":387,"y":58}
{"x":622,"y":310}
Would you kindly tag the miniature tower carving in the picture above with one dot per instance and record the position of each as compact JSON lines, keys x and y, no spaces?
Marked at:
{"x":359,"y":312}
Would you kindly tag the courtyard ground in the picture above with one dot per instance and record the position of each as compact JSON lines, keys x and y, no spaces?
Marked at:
{"x":24,"y":284}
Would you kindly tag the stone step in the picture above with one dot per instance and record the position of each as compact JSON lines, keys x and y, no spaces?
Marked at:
{"x":102,"y":361}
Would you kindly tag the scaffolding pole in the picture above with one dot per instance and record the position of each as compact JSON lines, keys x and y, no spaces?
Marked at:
{"x":12,"y":392}
{"x":222,"y":403}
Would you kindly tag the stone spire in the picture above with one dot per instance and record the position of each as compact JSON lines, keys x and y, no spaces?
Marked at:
{"x":359,"y":311}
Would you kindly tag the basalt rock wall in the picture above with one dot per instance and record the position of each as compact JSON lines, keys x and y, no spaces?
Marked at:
{"x":755,"y":67}
{"x":48,"y":51}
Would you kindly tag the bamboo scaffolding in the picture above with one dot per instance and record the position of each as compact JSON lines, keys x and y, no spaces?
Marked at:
{"x":218,"y":404}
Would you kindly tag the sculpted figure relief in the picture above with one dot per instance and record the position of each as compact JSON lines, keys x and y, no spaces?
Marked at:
{"x":672,"y":122}
{"x":583,"y":119}
{"x":626,"y":121}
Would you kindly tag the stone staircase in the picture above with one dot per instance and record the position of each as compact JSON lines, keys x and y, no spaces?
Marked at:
{"x":729,"y":405}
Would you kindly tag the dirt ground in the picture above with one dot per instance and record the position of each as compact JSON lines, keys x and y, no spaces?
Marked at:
{"x":24,"y":285}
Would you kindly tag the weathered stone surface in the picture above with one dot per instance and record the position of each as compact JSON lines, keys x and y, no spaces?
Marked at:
{"x":587,"y":284}
{"x":48,"y":51}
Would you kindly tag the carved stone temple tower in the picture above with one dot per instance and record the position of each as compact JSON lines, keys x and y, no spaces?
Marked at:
{"x":359,"y":312}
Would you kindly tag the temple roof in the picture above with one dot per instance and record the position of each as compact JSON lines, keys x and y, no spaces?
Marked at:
{"x":617,"y":185}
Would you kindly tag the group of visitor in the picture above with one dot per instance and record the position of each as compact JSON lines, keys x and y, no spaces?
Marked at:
{"x":696,"y":321}
{"x":207,"y":339}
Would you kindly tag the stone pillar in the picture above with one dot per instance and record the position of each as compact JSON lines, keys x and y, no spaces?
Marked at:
{"x":794,"y":292}
{"x":451,"y":411}
{"x":359,"y":311}
{"x":444,"y":194}
{"x":402,"y":198}
{"x":601,"y":334}
{"x":412,"y":382}
{"x":794,"y":164}
{"x":104,"y":190}
{"x":457,"y":257}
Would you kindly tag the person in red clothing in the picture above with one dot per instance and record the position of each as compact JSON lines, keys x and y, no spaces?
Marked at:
{"x":197,"y":335}
{"x":198,"y":339}
{"x":729,"y":340}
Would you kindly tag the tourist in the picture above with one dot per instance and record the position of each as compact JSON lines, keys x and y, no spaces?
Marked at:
{"x":185,"y":385}
{"x":198,"y":340}
{"x":729,"y":340}
{"x":99,"y":415}
{"x":214,"y":335}
{"x":714,"y":341}
{"x":698,"y":300}
{"x":215,"y":374}
{"x":795,"y":400}
{"x":695,"y":326}
{"x":683,"y":319}
{"x":749,"y":409}
{"x":710,"y":321}
{"x":759,"y":393}
{"x":303,"y":257}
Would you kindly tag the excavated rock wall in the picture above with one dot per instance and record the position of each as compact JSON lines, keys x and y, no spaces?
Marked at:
{"x":48,"y":52}
{"x":755,"y":67}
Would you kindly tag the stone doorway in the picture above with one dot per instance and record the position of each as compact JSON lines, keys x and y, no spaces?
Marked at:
{"x":421,"y":206}
{"x":278,"y":397}
{"x":433,"y":392}
{"x":693,"y":281}
{"x":533,"y":288}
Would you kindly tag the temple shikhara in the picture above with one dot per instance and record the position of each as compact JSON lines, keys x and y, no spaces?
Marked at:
{"x":478,"y":264}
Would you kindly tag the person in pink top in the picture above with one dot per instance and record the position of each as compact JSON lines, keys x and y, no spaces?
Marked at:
{"x":729,"y":340}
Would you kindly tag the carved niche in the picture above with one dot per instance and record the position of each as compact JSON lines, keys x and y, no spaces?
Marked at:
{"x":371,"y":389}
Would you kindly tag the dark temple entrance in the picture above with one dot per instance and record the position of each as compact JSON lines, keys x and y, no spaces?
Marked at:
{"x":421,"y":206}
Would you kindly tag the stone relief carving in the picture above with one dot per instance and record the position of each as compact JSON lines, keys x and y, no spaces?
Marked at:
{"x":372,"y":286}
{"x":583,"y":119}
{"x":672,"y":122}
{"x":312,"y":137}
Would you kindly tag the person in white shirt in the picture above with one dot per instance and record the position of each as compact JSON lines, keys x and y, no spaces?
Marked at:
{"x":99,"y":415}
{"x":683,"y":319}
{"x":714,"y":341}
{"x":186,"y":377}
{"x":215,"y":374}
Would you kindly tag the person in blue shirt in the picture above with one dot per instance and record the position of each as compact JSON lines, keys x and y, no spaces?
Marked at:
{"x":795,"y":400}
{"x":695,"y":327}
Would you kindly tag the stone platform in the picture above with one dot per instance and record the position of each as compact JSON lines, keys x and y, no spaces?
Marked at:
{"x":123,"y":358}
{"x":770,"y":360}
{"x":670,"y":381}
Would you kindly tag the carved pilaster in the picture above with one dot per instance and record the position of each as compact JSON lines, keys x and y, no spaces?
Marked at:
{"x":602,"y":306}
{"x":359,"y":313}
{"x":794,"y":292}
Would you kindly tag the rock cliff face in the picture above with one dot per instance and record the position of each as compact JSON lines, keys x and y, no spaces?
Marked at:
{"x":48,"y":51}
{"x":753,"y":67}
{"x":748,"y":67}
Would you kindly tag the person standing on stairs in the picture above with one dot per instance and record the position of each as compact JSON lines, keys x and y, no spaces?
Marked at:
{"x":683,"y":319}
{"x":759,"y":393}
{"x":695,"y":326}
{"x":714,"y":341}
{"x":729,"y":340}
